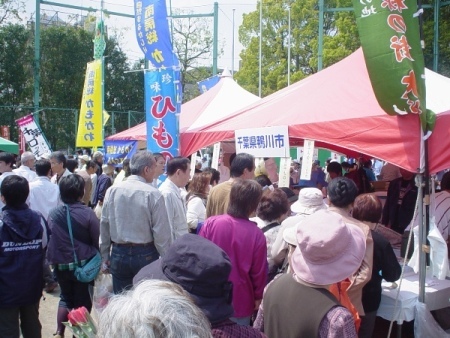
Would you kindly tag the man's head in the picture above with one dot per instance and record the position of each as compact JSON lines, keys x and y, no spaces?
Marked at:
{"x":27,"y":159}
{"x":244,"y":198}
{"x":43,"y":167}
{"x":203,"y":272}
{"x":58,"y":162}
{"x":98,"y":157}
{"x":160,"y":164}
{"x":243,"y":166}
{"x":14,"y":191}
{"x":179,"y":171}
{"x":445,"y":182}
{"x":406,"y":174}
{"x":71,"y":188}
{"x":143,"y":164}
{"x":91,"y":167}
{"x":6,"y":162}
{"x":334,"y":169}
{"x":108,"y":169}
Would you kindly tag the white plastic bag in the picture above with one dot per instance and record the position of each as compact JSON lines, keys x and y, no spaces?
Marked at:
{"x":425,"y":325}
{"x":103,"y":291}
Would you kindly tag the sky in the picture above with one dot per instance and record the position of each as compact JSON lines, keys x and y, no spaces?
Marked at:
{"x":126,"y":25}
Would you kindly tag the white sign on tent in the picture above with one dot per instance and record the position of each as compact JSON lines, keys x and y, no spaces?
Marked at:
{"x":263,"y":142}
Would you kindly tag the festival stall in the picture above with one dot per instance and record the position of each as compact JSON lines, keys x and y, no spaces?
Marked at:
{"x":337,"y":108}
{"x":8,"y":146}
{"x":216,"y":104}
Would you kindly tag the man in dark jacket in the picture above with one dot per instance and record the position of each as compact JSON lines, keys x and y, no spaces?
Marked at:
{"x":400,"y":202}
{"x":23,"y":238}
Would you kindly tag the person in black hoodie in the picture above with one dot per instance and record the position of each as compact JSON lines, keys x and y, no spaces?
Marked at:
{"x":23,"y":238}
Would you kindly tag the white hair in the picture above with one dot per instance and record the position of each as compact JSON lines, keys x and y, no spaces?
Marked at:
{"x":107,"y":169}
{"x":26,"y":156}
{"x":153,"y":309}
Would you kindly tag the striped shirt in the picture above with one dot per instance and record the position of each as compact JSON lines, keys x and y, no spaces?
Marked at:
{"x":442,"y":213}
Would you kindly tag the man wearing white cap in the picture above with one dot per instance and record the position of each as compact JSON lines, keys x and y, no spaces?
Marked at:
{"x":309,"y":201}
{"x":328,"y":251}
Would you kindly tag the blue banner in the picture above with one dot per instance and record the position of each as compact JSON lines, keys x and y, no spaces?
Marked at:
{"x":205,"y":85}
{"x":162,"y":107}
{"x":152,"y":32}
{"x":117,"y":151}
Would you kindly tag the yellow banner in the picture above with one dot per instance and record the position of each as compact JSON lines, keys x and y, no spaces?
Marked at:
{"x":90,"y":126}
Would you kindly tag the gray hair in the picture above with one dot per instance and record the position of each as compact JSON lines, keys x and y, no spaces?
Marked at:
{"x":107,"y":169}
{"x":26,"y":156}
{"x":153,"y":309}
{"x":140,"y":160}
{"x":97,"y":155}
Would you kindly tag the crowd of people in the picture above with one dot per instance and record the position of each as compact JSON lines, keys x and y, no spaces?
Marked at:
{"x":197,"y":255}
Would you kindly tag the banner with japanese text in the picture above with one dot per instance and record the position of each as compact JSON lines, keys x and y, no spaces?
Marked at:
{"x":34,"y":136}
{"x":152,"y":32}
{"x":90,"y":125}
{"x":263,"y":142}
{"x":116,"y":151}
{"x":390,"y":39}
{"x":207,"y":84}
{"x":162,"y":107}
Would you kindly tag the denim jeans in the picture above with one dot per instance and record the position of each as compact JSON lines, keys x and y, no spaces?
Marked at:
{"x":127,"y":261}
{"x":26,"y":317}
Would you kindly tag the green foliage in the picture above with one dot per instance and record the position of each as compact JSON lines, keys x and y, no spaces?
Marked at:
{"x":11,"y":10}
{"x":339,"y":41}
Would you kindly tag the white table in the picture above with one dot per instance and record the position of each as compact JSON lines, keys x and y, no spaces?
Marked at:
{"x":437,"y":296}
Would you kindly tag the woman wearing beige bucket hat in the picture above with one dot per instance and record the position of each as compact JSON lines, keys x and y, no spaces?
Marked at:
{"x":328,"y":251}
{"x":309,"y":201}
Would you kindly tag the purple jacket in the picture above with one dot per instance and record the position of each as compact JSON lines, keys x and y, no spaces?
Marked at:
{"x":245,"y":244}
{"x":85,"y":229}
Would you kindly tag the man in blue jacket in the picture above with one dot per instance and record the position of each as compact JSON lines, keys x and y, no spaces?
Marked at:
{"x":23,"y":239}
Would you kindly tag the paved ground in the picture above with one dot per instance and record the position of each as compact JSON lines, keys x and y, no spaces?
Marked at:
{"x":47,"y":313}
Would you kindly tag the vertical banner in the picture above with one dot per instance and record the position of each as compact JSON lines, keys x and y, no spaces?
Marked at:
{"x":308,"y":156}
{"x":4,"y":132}
{"x":284,"y":175}
{"x":390,"y":38}
{"x":215,"y":157}
{"x":90,"y":126}
{"x":193,"y":163}
{"x":33,"y":136}
{"x":152,"y":33}
{"x":117,"y":151}
{"x":207,"y":84}
{"x":161,"y":107}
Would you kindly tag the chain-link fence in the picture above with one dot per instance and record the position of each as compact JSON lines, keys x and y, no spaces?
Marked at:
{"x":60,"y":125}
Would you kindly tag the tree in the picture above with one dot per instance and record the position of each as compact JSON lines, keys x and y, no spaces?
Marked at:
{"x":338,"y":42}
{"x":10,"y":10}
{"x":16,"y":73}
{"x":193,"y":43}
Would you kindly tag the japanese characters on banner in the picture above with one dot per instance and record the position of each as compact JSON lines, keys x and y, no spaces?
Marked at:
{"x":263,"y":142}
{"x":118,"y":151}
{"x":207,"y":84}
{"x":215,"y":157}
{"x":284,"y":174}
{"x":152,"y":32}
{"x":90,"y":125}
{"x":33,"y":136}
{"x":308,"y":156}
{"x":162,"y":107}
{"x":390,"y":38}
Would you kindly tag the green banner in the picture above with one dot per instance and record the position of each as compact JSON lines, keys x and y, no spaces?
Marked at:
{"x":390,"y":39}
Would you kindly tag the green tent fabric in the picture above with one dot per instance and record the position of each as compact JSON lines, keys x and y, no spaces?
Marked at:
{"x":9,"y":146}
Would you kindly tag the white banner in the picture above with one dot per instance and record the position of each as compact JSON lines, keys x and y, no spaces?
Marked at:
{"x":263,"y":142}
{"x":308,"y":156}
{"x":285,"y":174}
{"x":193,"y":163}
{"x":33,"y":136}
{"x":215,"y":157}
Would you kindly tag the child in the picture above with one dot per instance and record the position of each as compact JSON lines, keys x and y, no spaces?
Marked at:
{"x":23,"y":239}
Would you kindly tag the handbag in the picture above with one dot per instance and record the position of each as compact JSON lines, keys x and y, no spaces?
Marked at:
{"x":89,"y":271}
